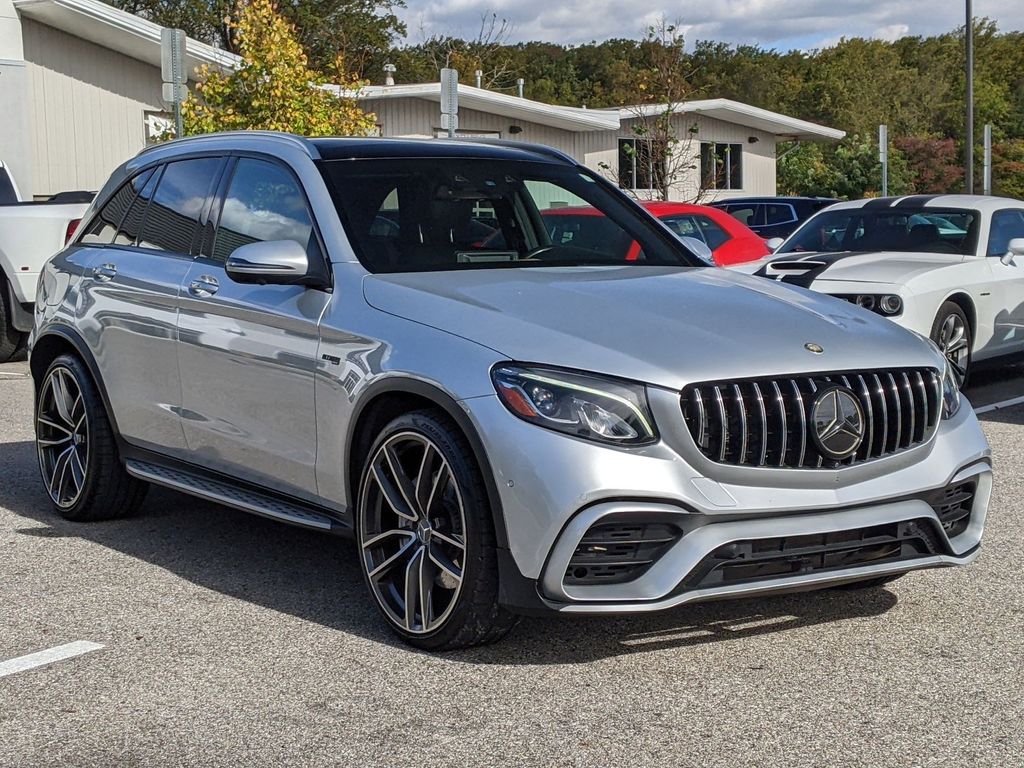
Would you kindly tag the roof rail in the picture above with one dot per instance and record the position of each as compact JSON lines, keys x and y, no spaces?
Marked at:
{"x":295,"y":140}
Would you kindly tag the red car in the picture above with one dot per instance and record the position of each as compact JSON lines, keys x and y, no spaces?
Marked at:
{"x":730,"y":241}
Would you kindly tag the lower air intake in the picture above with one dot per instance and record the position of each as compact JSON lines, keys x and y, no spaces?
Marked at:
{"x":613,"y":553}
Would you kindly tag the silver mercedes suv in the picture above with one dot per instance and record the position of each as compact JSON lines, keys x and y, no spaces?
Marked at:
{"x":397,"y":341}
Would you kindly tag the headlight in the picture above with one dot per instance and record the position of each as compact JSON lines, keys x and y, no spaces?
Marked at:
{"x":583,"y":405}
{"x":890,"y":304}
{"x":950,"y":393}
{"x":887,"y":304}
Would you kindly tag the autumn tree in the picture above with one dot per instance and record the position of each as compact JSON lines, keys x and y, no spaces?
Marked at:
{"x":273,"y":88}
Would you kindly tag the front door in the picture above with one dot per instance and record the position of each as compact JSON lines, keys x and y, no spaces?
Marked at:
{"x":248,"y":352}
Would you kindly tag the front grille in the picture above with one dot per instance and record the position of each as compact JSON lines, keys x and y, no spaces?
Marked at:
{"x":760,"y":559}
{"x":765,"y":422}
{"x":613,"y":553}
{"x":953,"y":505}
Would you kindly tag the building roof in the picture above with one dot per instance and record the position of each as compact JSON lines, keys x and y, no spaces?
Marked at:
{"x":739,"y":113}
{"x":118,"y":30}
{"x":568,"y":118}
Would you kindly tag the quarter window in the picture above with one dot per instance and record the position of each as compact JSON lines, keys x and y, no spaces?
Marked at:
{"x":1006,"y":225}
{"x":105,"y":226}
{"x":263,"y":203}
{"x":131,"y":227}
{"x":181,"y":195}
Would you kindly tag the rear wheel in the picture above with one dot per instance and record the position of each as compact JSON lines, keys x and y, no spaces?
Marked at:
{"x":952,"y":333}
{"x":426,"y":536}
{"x":11,"y":339}
{"x":78,"y":457}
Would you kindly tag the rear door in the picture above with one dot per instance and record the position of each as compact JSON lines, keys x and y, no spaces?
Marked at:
{"x":248,"y":352}
{"x":143,"y":239}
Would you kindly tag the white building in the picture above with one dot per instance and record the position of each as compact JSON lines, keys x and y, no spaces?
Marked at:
{"x":80,"y":92}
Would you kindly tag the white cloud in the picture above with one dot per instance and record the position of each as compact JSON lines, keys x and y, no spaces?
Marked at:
{"x":770,"y":23}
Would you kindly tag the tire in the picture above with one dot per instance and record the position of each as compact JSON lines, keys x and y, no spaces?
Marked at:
{"x":424,"y":528}
{"x":78,"y":457}
{"x":11,"y":339}
{"x":952,"y":332}
{"x":857,"y":586}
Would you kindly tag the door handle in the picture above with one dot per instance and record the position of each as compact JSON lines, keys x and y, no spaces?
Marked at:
{"x":204,"y":286}
{"x":105,"y":273}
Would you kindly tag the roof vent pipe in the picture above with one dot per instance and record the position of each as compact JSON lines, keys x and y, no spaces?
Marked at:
{"x":479,"y":78}
{"x":389,"y":73}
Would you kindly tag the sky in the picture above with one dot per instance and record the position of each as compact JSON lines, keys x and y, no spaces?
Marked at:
{"x":779,"y":24}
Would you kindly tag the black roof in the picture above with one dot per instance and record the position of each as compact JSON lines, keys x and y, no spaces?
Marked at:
{"x":353,"y":148}
{"x":777,"y":198}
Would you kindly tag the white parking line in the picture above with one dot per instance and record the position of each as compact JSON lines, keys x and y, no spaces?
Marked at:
{"x":48,"y":656}
{"x":997,"y":406}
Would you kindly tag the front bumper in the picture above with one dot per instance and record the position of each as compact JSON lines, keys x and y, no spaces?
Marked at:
{"x":554,"y":489}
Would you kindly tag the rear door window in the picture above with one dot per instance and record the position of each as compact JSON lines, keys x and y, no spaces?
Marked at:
{"x":776,"y":213}
{"x":751,"y":215}
{"x":181,"y":196}
{"x":264,"y":203}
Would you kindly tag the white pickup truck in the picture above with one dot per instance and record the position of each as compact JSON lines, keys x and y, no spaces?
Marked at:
{"x":30,"y":233}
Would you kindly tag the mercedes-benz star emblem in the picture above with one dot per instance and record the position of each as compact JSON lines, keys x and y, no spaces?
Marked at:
{"x":837,"y":423}
{"x":810,"y":346}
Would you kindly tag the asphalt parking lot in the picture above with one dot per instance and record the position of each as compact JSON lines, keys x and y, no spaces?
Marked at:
{"x":231,"y":640}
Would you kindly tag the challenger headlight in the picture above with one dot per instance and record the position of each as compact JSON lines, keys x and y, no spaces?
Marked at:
{"x":887,"y":304}
{"x":950,"y":392}
{"x":583,"y":405}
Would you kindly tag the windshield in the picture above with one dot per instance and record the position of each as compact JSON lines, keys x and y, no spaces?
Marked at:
{"x":920,"y":230}
{"x":408,"y":215}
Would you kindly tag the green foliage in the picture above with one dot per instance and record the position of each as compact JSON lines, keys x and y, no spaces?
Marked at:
{"x":274,"y":88}
{"x":360,"y":31}
{"x":848,"y":170}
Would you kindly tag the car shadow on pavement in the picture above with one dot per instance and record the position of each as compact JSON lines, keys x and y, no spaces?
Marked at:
{"x":316,"y":578}
{"x":1012,"y":415}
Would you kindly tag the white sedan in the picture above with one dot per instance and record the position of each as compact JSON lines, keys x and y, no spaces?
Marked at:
{"x":950,"y":267}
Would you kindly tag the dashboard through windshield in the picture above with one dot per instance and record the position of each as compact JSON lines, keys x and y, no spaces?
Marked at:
{"x":432,"y":214}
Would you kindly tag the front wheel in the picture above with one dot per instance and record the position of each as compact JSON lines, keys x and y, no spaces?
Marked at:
{"x":78,"y":456}
{"x":952,"y":333}
{"x":426,"y":536}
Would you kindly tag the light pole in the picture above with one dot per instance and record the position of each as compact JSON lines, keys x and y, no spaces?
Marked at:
{"x":969,"y":49}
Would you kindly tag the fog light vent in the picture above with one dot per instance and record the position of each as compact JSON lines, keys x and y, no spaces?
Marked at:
{"x":613,"y":553}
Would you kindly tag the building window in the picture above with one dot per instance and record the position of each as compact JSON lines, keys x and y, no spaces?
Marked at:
{"x":639,"y":164}
{"x":721,"y":165}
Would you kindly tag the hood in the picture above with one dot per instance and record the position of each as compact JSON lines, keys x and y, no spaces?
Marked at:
{"x":889,"y":267}
{"x":660,"y":325}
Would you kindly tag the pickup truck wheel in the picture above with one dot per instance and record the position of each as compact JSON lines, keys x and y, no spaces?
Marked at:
{"x":426,"y":536}
{"x":78,"y":458}
{"x":952,"y":333}
{"x":10,"y":338}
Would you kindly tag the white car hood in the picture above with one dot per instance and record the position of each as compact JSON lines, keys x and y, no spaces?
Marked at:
{"x":888,"y":267}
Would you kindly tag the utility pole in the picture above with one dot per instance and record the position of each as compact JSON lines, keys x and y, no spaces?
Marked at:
{"x":988,"y":160}
{"x":450,"y":101}
{"x":969,"y":50}
{"x":172,"y":68}
{"x":883,"y":157}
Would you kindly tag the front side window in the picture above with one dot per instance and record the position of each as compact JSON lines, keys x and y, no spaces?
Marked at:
{"x":263,"y":203}
{"x":181,"y":195}
{"x":750,"y":215}
{"x":467,"y":213}
{"x":1006,"y":226}
{"x":721,"y":165}
{"x":921,"y":230}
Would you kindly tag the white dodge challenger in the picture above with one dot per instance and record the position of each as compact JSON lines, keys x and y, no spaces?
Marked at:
{"x":950,"y":267}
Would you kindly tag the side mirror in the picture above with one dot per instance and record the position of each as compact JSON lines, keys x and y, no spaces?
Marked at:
{"x":274,"y":262}
{"x":774,"y":243}
{"x":698,"y":248}
{"x":1015,"y":248}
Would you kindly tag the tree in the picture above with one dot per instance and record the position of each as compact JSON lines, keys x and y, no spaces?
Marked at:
{"x":935,"y":166}
{"x":273,"y":88}
{"x":486,"y":52}
{"x":360,"y":31}
{"x":663,"y":86}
